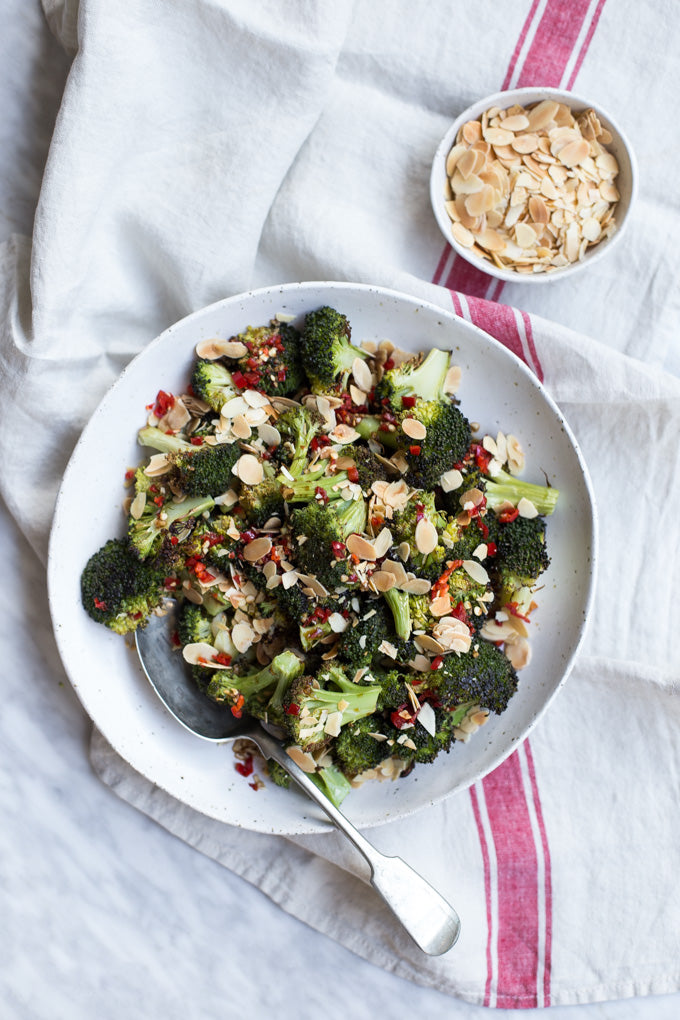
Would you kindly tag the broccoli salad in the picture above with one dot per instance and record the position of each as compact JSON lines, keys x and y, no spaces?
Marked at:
{"x":349,"y":558}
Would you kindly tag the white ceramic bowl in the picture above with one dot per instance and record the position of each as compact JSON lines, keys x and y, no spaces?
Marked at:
{"x":497,"y":390}
{"x":626,"y":181}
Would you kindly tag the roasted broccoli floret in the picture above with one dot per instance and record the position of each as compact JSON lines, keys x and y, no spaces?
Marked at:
{"x":446,"y":441}
{"x":407,"y":526}
{"x":316,"y":709}
{"x":521,"y":556}
{"x":423,"y":378}
{"x":205,"y":470}
{"x":368,"y":466}
{"x":484,"y":676}
{"x":362,"y":745}
{"x":263,"y":501}
{"x":260,"y":693}
{"x":327,"y":353}
{"x":212,"y":382}
{"x":321,"y":532}
{"x":117,"y":589}
{"x":298,"y":427}
{"x":330,"y":780}
{"x":147,"y":531}
{"x":163,"y":442}
{"x":193,"y":625}
{"x":272,"y":362}
{"x":369,"y":627}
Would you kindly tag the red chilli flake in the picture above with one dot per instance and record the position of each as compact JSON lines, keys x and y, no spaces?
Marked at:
{"x":99,"y":604}
{"x":245,"y":768}
{"x":196,"y":441}
{"x":321,"y":495}
{"x":338,"y":549}
{"x":129,"y":474}
{"x":505,"y":516}
{"x":414,"y":450}
{"x":293,"y":710}
{"x":236,"y":708}
{"x":164,"y":401}
{"x":408,"y":402}
{"x":353,"y":474}
{"x":437,"y":662}
{"x":388,"y":364}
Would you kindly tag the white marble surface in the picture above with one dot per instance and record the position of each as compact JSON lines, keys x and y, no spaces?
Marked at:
{"x":103,"y":913}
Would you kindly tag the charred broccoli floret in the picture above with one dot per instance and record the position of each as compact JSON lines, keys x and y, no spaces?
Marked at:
{"x":298,"y":427}
{"x":327,"y":353}
{"x":212,"y":382}
{"x":423,"y":378}
{"x":317,"y":709}
{"x":117,"y":589}
{"x":272,"y":362}
{"x":521,"y":556}
{"x":360,"y":642}
{"x":484,"y":676}
{"x":193,"y":625}
{"x":259,"y":693}
{"x":362,"y":745}
{"x":321,"y":532}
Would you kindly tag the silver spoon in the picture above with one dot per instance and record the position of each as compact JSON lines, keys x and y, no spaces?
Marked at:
{"x":430,"y":921}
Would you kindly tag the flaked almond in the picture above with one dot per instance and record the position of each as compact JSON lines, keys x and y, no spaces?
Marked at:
{"x":428,"y":644}
{"x":453,"y":379}
{"x":249,"y":469}
{"x":257,"y":549}
{"x":137,"y":505}
{"x":269,"y":435}
{"x":382,"y":543}
{"x":416,"y":586}
{"x":519,"y":652}
{"x":211,"y":350}
{"x":362,"y":374}
{"x":255,"y":399}
{"x":337,"y":623}
{"x":426,"y":536}
{"x":302,"y":759}
{"x":200,"y":653}
{"x":526,"y":508}
{"x":343,"y":434}
{"x":476,"y":571}
{"x":158,"y":465}
{"x":233,"y":407}
{"x":383,"y":580}
{"x":240,"y":427}
{"x":361,"y":547}
{"x":403,"y":551}
{"x":242,"y":635}
{"x":413,"y":428}
{"x":451,"y":480}
{"x":441,"y":606}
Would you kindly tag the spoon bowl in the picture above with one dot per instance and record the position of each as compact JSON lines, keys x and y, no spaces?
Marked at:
{"x":424,"y":914}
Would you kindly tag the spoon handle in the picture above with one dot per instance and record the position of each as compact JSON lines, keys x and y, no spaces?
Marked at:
{"x":430,"y":921}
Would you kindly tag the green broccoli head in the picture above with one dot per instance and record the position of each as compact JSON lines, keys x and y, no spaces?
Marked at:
{"x":194,"y":625}
{"x":521,"y":556}
{"x":360,"y":642}
{"x":484,"y":676}
{"x":423,"y":378}
{"x":317,"y":708}
{"x":260,"y":693}
{"x":205,"y":470}
{"x":444,"y":445}
{"x":149,"y":525}
{"x":273,"y":361}
{"x":212,"y":382}
{"x":327,"y":353}
{"x":262,"y":501}
{"x":362,"y":745}
{"x":298,"y":427}
{"x":119,"y":590}
{"x":320,"y":533}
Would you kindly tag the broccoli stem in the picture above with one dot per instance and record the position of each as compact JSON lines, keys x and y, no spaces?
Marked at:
{"x":504,"y":488}
{"x":303,"y":489}
{"x":333,"y":783}
{"x":162,"y":441}
{"x":398,"y":601}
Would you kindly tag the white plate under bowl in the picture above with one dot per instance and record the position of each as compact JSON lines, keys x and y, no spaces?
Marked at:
{"x":497,"y":391}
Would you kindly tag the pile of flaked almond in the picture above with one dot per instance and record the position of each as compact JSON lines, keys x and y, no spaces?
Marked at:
{"x":531,"y":189}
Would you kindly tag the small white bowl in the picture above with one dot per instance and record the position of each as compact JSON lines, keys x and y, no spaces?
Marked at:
{"x":626,"y":181}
